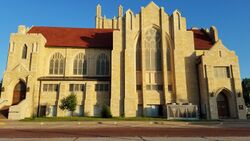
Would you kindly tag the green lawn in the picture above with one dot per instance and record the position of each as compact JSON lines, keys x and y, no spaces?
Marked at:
{"x":54,"y":119}
{"x":39,"y":119}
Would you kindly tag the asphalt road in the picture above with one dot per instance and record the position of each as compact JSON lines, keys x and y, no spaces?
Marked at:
{"x":125,"y":132}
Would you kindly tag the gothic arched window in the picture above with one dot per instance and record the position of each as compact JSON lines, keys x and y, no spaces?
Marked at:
{"x":102,"y":65}
{"x":24,"y":52}
{"x":56,"y":65}
{"x":153,"y":50}
{"x":80,"y":65}
{"x":179,"y":20}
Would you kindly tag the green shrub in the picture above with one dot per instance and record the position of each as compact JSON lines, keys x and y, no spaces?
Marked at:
{"x":106,"y":113}
{"x":69,"y":103}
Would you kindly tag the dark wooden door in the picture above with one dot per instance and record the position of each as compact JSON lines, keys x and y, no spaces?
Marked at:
{"x":42,"y":111}
{"x":222,"y":105}
{"x":19,"y":93}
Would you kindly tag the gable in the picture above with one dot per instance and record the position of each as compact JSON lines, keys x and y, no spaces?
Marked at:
{"x":20,"y":68}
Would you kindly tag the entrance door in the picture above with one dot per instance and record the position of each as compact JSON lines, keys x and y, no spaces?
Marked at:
{"x":222,"y":105}
{"x":43,"y":109}
{"x":19,"y":93}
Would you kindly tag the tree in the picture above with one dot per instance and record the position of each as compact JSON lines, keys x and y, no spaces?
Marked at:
{"x":69,"y":103}
{"x":106,"y":113}
{"x":246,"y":90}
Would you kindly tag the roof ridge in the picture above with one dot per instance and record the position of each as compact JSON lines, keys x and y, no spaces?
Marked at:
{"x":61,"y":27}
{"x":75,"y":37}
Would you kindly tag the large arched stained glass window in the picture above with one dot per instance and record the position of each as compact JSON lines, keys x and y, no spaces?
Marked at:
{"x":56,"y":65}
{"x":80,"y":65}
{"x":153,"y":56}
{"x":102,"y":65}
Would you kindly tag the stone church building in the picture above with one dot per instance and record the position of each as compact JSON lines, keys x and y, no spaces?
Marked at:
{"x":145,"y":64}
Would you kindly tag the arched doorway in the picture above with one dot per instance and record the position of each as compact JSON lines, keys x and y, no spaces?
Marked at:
{"x":222,"y":105}
{"x":19,"y":93}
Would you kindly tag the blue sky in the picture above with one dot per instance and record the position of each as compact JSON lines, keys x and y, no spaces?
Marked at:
{"x":231,"y":17}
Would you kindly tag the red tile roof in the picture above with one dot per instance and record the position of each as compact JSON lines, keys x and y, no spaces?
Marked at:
{"x":75,"y":37}
{"x":201,"y":40}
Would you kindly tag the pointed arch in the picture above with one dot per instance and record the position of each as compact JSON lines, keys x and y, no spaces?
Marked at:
{"x":222,"y":105}
{"x":19,"y":92}
{"x":24,"y":52}
{"x":102,"y":65}
{"x":226,"y":104}
{"x":153,"y":50}
{"x":131,"y":20}
{"x":56,"y":64}
{"x":225,"y":90}
{"x":80,"y":64}
{"x":178,"y":14}
{"x":179,"y":20}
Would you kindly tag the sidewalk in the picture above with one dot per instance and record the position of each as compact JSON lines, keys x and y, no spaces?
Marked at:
{"x":7,"y":124}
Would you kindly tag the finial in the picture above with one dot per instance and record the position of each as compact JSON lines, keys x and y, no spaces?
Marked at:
{"x":98,"y":10}
{"x":120,"y":11}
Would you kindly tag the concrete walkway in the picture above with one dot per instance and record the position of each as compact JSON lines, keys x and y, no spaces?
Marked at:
{"x":5,"y":124}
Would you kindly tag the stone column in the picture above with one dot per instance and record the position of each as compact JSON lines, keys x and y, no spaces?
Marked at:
{"x":164,"y":63}
{"x":117,"y":81}
{"x":240,"y":103}
{"x":211,"y":99}
{"x":88,"y":107}
{"x":60,"y":95}
{"x":143,"y":63}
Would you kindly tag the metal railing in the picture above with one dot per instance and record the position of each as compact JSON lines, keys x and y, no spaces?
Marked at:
{"x":187,"y":112}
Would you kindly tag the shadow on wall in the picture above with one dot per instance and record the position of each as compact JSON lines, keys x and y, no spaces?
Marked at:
{"x":99,"y":40}
{"x":192,"y":79}
{"x":122,"y":87}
